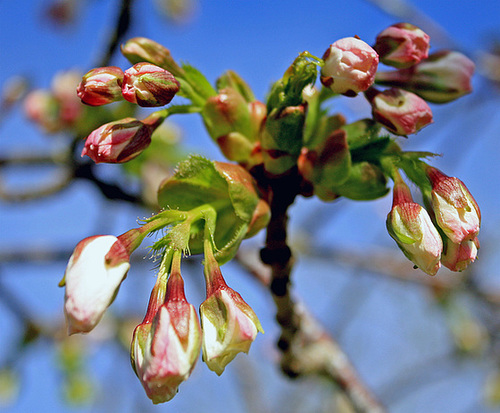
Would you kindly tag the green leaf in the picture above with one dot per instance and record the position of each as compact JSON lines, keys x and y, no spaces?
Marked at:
{"x":227,"y":188}
{"x":198,"y":82}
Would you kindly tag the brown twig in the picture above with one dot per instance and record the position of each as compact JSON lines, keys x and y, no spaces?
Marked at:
{"x":120,"y":29}
{"x":306,"y":347}
{"x":310,"y":350}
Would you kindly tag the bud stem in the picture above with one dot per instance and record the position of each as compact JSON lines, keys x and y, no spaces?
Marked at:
{"x":158,"y":294}
{"x":175,"y":284}
{"x":213,"y":276}
{"x":134,"y":237}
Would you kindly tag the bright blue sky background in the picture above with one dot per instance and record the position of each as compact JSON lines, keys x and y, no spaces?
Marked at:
{"x":258,"y":39}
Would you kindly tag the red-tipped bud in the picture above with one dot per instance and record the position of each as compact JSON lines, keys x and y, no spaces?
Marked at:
{"x":164,"y":352}
{"x":101,"y":86}
{"x":402,"y":45}
{"x":118,"y":141}
{"x":456,"y":211}
{"x":411,"y":227}
{"x":457,"y":257}
{"x":350,"y":66}
{"x":442,"y":77}
{"x":329,"y":164}
{"x":94,"y":273}
{"x":229,"y":324}
{"x":148,"y":85}
{"x":401,"y":112}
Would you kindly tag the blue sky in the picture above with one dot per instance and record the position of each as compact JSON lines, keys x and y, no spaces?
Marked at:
{"x":258,"y":39}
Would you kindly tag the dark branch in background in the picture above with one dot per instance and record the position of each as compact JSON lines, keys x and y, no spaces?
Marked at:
{"x":121,"y":28}
{"x":110,"y":191}
{"x":306,"y":347}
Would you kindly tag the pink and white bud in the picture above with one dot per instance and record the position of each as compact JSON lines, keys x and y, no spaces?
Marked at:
{"x":94,"y":273}
{"x":229,"y":327}
{"x":165,"y":351}
{"x":118,"y":141}
{"x":148,"y":85}
{"x":101,"y":86}
{"x":457,"y":257}
{"x":402,"y":45}
{"x":411,"y":227}
{"x":443,"y":77}
{"x":228,"y":323}
{"x":401,"y":112}
{"x":349,"y":66}
{"x":456,"y":211}
{"x":42,"y":107}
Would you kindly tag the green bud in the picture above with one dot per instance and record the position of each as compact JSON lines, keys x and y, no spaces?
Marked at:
{"x":328,"y":165}
{"x":366,"y":182}
{"x":228,"y":189}
{"x":282,"y":139}
{"x":232,"y":80}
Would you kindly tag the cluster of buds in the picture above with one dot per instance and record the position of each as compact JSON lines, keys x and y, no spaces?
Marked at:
{"x":350,"y":66}
{"x":167,"y":344}
{"x":56,"y":109}
{"x":144,"y":84}
{"x":210,"y":207}
{"x":444,"y":233}
{"x":234,"y":118}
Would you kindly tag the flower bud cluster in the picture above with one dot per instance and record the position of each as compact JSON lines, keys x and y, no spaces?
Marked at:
{"x":439,"y":78}
{"x":350,"y":66}
{"x":144,"y":84}
{"x":234,"y":118}
{"x":167,"y":344}
{"x":444,"y":233}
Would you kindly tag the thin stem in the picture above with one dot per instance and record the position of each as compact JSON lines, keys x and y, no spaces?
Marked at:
{"x":159,"y":291}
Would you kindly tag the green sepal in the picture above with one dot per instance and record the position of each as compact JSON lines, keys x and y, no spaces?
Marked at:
{"x":288,"y":90}
{"x":366,"y":182}
{"x":194,"y":85}
{"x":233,"y":80}
{"x":414,"y":168}
{"x":362,"y":133}
{"x":225,"y":188}
{"x":282,"y":139}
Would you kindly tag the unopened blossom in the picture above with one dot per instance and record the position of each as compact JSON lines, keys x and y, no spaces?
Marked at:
{"x":42,"y":107}
{"x":329,"y":163}
{"x":411,"y":227}
{"x":455,"y":210}
{"x":101,"y":86}
{"x":401,"y":112}
{"x":233,"y":122}
{"x":118,"y":141}
{"x":402,"y":45}
{"x":148,"y":85}
{"x":165,"y":350}
{"x":349,"y":66}
{"x":457,"y":257}
{"x":443,"y":77}
{"x":94,"y":273}
{"x":58,"y":108}
{"x":229,"y":327}
{"x":142,"y":49}
{"x":229,"y":324}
